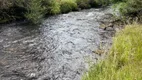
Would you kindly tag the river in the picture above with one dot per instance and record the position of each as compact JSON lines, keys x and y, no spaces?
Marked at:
{"x":61,"y":48}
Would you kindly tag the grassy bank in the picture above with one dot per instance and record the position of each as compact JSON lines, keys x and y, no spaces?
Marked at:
{"x":35,"y":10}
{"x":124,"y":61}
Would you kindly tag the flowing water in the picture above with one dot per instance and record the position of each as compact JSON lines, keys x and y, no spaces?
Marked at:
{"x":61,"y":48}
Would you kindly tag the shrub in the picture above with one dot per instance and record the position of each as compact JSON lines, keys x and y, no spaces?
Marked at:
{"x":102,"y":2}
{"x":83,"y":3}
{"x":5,"y":4}
{"x":34,"y":11}
{"x":116,"y":1}
{"x":15,"y":9}
{"x":125,"y":59}
{"x":68,"y":5}
{"x":129,"y":6}
{"x":10,"y":10}
{"x":51,"y":6}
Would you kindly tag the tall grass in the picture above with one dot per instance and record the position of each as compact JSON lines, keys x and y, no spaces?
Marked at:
{"x":124,"y":61}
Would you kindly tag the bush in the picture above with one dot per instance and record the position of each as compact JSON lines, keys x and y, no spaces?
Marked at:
{"x":16,"y":9}
{"x":125,"y":59}
{"x":83,"y":4}
{"x":129,"y":7}
{"x":9,"y":10}
{"x":68,"y":5}
{"x":34,"y":11}
{"x":5,"y":4}
{"x":102,"y":2}
{"x":51,"y":6}
{"x":116,"y":1}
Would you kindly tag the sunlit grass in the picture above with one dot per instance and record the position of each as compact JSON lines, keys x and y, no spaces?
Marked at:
{"x":124,"y":61}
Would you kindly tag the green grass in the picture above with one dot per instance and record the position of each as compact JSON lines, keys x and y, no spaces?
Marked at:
{"x":124,"y":61}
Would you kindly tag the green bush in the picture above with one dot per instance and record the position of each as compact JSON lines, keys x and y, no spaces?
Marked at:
{"x":10,"y":11}
{"x":5,"y":4}
{"x":116,"y":1}
{"x":102,"y":2}
{"x":124,"y":61}
{"x":51,"y":6}
{"x":129,"y":7}
{"x":83,"y":3}
{"x":68,"y":5}
{"x":16,"y":9}
{"x":34,"y":11}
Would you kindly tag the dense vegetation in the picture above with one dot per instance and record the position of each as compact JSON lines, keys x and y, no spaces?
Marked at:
{"x":124,"y":61}
{"x":34,"y":10}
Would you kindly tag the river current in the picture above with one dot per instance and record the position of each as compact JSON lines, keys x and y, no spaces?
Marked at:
{"x":61,"y":48}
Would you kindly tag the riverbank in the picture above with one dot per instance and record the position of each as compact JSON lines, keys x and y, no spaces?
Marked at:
{"x":124,"y":58}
